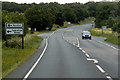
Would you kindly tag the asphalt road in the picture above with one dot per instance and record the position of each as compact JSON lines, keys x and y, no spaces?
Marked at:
{"x":66,"y":55}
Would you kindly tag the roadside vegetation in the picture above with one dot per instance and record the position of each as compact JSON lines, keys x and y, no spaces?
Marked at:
{"x":110,"y":35}
{"x":13,"y":57}
{"x":66,"y":25}
{"x":87,"y":20}
{"x":53,"y":16}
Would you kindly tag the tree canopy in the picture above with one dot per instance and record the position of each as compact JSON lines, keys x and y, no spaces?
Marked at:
{"x":44,"y":15}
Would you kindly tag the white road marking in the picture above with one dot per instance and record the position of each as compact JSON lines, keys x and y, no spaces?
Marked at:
{"x":95,"y":61}
{"x":100,"y":68}
{"x":35,"y":64}
{"x":80,"y":48}
{"x":78,"y":43}
{"x":108,"y":77}
{"x":87,"y":55}
{"x":83,"y":51}
{"x":107,"y":44}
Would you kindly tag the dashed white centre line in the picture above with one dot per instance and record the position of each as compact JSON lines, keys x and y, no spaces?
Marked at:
{"x":83,"y":51}
{"x":35,"y":64}
{"x":100,"y":68}
{"x":87,"y":55}
{"x":108,"y":77}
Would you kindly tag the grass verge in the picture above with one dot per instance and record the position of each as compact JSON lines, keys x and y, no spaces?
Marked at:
{"x":111,"y":36}
{"x":13,"y":57}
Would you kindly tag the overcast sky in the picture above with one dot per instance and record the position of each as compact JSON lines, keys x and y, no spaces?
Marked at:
{"x":59,"y":1}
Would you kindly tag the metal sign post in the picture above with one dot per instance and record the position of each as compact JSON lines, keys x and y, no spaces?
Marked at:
{"x":15,"y":29}
{"x":103,"y":28}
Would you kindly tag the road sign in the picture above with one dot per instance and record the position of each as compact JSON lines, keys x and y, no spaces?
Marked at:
{"x":14,"y":31}
{"x":14,"y":25}
{"x":29,"y":29}
{"x":14,"y":28}
{"x":92,"y":22}
{"x":104,"y":27}
{"x":47,"y":28}
{"x":69,"y":23}
{"x":35,"y":29}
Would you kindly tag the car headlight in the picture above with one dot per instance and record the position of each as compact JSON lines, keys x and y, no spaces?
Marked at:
{"x":84,"y":35}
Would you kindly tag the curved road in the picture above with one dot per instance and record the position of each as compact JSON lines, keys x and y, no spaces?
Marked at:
{"x":67,"y":56}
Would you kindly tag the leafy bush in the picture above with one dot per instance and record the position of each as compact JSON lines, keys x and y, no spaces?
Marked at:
{"x":15,"y":42}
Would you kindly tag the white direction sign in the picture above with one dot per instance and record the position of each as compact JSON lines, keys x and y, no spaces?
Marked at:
{"x":14,"y":25}
{"x":14,"y":28}
{"x":104,"y":27}
{"x":14,"y":31}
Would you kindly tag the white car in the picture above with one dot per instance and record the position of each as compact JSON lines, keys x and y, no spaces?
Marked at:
{"x":86,"y":35}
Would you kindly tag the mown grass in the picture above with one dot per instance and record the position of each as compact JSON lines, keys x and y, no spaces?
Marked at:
{"x":111,"y":36}
{"x":13,"y":57}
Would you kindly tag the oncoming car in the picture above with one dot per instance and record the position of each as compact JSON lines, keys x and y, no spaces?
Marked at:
{"x":86,"y":35}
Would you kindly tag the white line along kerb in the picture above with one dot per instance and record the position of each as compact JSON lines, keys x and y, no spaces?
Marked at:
{"x":35,"y":64}
{"x":78,"y":42}
{"x":107,"y":45}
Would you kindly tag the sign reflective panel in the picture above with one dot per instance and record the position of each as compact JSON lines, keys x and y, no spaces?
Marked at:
{"x":14,"y":28}
{"x":14,"y":31}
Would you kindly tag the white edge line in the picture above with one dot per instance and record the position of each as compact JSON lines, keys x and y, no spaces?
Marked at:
{"x":35,"y":64}
{"x":107,"y":45}
{"x":78,"y":42}
{"x":100,"y":68}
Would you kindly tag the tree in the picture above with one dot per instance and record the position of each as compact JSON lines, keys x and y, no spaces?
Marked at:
{"x":92,"y":8}
{"x":70,"y":15}
{"x":39,"y":18}
{"x":106,"y":14}
{"x":12,"y":17}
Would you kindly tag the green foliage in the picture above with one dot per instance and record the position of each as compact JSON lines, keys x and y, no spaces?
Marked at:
{"x":111,"y":36}
{"x":69,"y":15}
{"x":87,"y":20}
{"x":92,"y":8}
{"x":12,"y":17}
{"x":44,"y":15}
{"x":107,"y":15}
{"x":13,"y":7}
{"x":39,"y":18}
{"x":13,"y":57}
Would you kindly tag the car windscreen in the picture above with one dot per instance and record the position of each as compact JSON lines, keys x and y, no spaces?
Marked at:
{"x":88,"y":33}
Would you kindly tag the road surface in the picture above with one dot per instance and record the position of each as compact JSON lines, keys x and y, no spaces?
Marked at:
{"x":66,"y":55}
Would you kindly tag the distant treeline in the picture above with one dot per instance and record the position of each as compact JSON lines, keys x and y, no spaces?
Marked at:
{"x":45,"y":15}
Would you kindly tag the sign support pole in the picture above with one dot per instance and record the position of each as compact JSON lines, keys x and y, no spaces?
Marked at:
{"x":6,"y":41}
{"x":102,"y":31}
{"x":22,"y":41}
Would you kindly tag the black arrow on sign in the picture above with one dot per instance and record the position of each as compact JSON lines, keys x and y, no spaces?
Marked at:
{"x":8,"y":31}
